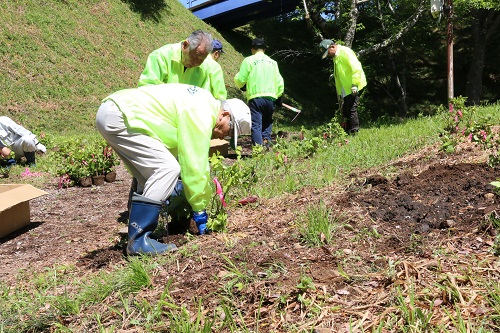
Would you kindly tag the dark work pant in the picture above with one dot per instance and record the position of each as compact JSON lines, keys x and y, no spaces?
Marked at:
{"x":350,"y":111}
{"x":261,"y":110}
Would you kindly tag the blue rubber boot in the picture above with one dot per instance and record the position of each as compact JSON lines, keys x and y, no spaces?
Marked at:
{"x":143,"y":221}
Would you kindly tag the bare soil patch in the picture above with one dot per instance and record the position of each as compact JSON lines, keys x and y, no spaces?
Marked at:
{"x":430,"y":203}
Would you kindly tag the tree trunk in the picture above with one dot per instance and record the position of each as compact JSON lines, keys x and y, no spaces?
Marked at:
{"x":483,"y":23}
{"x":401,"y":87}
{"x":353,"y":14}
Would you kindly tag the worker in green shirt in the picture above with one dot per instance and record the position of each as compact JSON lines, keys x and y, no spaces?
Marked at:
{"x":259,"y":76}
{"x":349,"y":80}
{"x":214,"y":81}
{"x":184,"y":62}
{"x":162,"y":132}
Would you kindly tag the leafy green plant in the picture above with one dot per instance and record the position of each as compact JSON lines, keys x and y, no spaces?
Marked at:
{"x":80,"y":158}
{"x":456,"y":118}
{"x":232,"y":178}
{"x":238,"y":277}
{"x":304,"y":286}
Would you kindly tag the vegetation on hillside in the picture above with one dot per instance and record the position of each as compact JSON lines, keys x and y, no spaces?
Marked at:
{"x":60,"y":58}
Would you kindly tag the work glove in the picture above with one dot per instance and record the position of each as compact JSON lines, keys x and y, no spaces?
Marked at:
{"x":201,"y":219}
{"x":354,"y":90}
{"x":331,"y":80}
{"x":279,"y":102}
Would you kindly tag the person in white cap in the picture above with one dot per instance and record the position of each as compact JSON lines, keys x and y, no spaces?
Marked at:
{"x":163,"y":132}
{"x":349,"y":80}
{"x":20,"y":140}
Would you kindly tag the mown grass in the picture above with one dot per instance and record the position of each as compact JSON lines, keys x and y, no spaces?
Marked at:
{"x":61,"y":58}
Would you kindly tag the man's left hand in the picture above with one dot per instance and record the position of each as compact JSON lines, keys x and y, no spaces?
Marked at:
{"x":200,"y":219}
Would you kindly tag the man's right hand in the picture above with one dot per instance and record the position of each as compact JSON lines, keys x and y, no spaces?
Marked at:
{"x":354,"y":90}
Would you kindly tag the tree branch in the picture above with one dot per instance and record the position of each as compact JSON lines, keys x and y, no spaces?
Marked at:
{"x":409,"y":24}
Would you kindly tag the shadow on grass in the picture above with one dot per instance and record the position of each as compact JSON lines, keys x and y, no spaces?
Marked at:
{"x":149,"y":9}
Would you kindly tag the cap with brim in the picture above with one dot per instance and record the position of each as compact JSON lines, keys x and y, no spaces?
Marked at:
{"x":259,"y":42}
{"x":217,"y":46}
{"x":326,"y":43}
{"x":240,"y":117}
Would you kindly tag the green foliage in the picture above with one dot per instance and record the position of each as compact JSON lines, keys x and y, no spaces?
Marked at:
{"x":309,"y":143}
{"x":99,"y":48}
{"x":493,"y":220}
{"x":237,"y":275}
{"x":80,"y":158}
{"x":412,"y":313}
{"x":305,"y":285}
{"x":235,"y":179}
{"x":462,"y":122}
{"x":181,"y":321}
{"x":477,"y":4}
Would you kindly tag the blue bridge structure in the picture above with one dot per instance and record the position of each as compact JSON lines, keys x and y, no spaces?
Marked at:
{"x":235,"y":13}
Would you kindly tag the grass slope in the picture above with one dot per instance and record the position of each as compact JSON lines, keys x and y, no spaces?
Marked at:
{"x":60,"y":58}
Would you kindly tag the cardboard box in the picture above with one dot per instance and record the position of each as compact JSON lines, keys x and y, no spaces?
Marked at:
{"x":221,"y":146}
{"x":15,"y":207}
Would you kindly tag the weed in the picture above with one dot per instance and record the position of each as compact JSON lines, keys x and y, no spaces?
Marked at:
{"x":238,"y":277}
{"x":415,"y":318}
{"x":317,"y":225}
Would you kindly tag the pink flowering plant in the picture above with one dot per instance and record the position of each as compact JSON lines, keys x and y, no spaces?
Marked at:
{"x":81,"y":158}
{"x":461,"y":124}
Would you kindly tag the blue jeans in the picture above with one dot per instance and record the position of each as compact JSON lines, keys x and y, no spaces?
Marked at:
{"x":261,"y":110}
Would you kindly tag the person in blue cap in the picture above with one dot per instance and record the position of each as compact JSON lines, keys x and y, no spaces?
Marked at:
{"x":215,"y":80}
{"x":217,"y":49}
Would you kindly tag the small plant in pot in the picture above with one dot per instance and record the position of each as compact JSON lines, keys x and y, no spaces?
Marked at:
{"x":87,"y":163}
{"x":110,"y":162}
{"x":96,"y":165}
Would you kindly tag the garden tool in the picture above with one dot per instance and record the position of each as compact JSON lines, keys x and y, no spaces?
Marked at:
{"x":219,"y":191}
{"x":176,"y":204}
{"x":143,"y":221}
{"x":176,"y":210}
{"x":293,"y":109}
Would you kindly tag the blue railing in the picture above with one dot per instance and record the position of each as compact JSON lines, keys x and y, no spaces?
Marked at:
{"x":193,"y":3}
{"x":232,"y":13}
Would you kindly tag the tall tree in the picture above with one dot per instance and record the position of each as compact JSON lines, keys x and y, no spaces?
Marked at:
{"x":484,"y":20}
